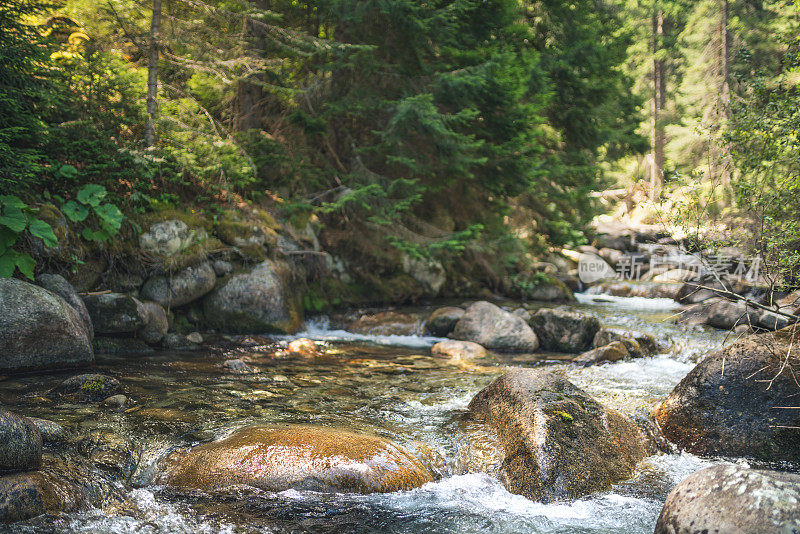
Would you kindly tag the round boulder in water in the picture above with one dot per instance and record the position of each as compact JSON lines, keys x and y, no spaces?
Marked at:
{"x":487,"y":325}
{"x":564,"y":330}
{"x":730,"y":498}
{"x":442,"y":321}
{"x":20,"y":443}
{"x":298,"y":457}
{"x":458,"y":350}
{"x":557,"y":441}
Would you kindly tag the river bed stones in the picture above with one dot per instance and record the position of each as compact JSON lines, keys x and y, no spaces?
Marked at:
{"x":563,"y":330}
{"x":40,"y":330}
{"x":731,"y":498}
{"x":115,"y":313}
{"x":738,"y":401}
{"x":90,"y":387}
{"x":558,"y":442}
{"x":491,"y":327}
{"x":258,"y":301}
{"x":25,"y":495}
{"x":182,"y":287}
{"x":458,"y":350}
{"x":20,"y":443}
{"x":443,"y":321}
{"x":298,"y":457}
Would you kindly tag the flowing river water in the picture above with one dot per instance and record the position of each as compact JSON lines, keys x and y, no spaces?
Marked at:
{"x":385,"y":385}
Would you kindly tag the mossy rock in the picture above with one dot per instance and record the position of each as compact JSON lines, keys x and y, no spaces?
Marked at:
{"x":87,"y":388}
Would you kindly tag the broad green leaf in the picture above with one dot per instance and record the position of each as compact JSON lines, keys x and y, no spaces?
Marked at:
{"x":75,"y":212}
{"x":92,"y":194}
{"x":43,"y":231}
{"x":66,"y":172}
{"x":13,"y":218}
{"x":110,"y":215}
{"x":8,"y":263}
{"x":7,"y":239}
{"x":25,"y":264}
{"x":12,"y":200}
{"x":94,"y":235}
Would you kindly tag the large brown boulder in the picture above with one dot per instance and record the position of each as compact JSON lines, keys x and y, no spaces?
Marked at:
{"x":40,"y":330}
{"x":737,"y":401}
{"x":493,"y":328}
{"x":731,"y":498}
{"x":557,"y":441}
{"x":298,"y":457}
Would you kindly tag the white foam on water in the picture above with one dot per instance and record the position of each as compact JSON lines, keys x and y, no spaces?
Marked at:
{"x":452,"y":404}
{"x":158,"y":517}
{"x":628,"y":303}
{"x":318,"y":329}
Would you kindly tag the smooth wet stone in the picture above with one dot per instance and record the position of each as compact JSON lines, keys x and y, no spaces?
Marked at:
{"x":558,"y":442}
{"x":564,"y":330}
{"x":90,"y":387}
{"x":194,"y":337}
{"x":612,"y":352}
{"x":731,"y":498}
{"x":738,"y":401}
{"x":50,"y":431}
{"x":443,"y":321}
{"x":40,"y":330}
{"x":459,"y":350}
{"x":298,"y":457}
{"x":182,"y":287}
{"x":115,"y":313}
{"x":20,"y":443}
{"x":489,"y":326}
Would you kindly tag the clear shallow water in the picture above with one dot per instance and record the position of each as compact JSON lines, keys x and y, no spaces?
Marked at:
{"x":387,"y":385}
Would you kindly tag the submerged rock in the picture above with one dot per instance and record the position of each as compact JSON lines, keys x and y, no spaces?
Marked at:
{"x":39,"y":329}
{"x":734,"y":402}
{"x":90,"y":387}
{"x":298,"y":457}
{"x":564,"y":330}
{"x":176,"y":341}
{"x":303,"y":347}
{"x":255,"y":302}
{"x":115,"y":313}
{"x":730,"y":498}
{"x":58,"y":285}
{"x":50,"y":431}
{"x":558,"y":442}
{"x":459,"y":350}
{"x":26,"y":495}
{"x":20,"y":443}
{"x":443,"y":321}
{"x":182,"y":287}
{"x":489,"y":326}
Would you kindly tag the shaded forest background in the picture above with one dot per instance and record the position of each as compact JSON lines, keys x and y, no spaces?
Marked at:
{"x":464,"y":133}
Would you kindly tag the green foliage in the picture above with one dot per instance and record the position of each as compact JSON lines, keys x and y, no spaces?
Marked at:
{"x":107,"y":219}
{"x":17,"y":220}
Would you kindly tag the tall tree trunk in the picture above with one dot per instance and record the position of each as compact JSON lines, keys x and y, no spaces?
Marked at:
{"x":249,"y":91}
{"x":658,"y":137}
{"x":725,"y":92}
{"x":152,"y":76}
